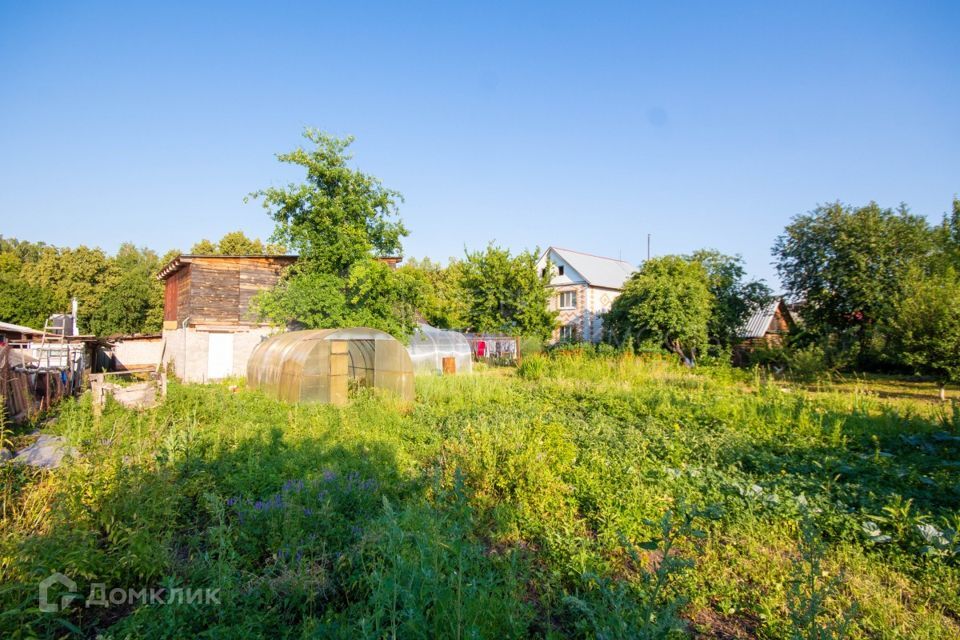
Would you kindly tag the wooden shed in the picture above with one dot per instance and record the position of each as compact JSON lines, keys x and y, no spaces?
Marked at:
{"x":209,"y":328}
{"x":217,"y":289}
{"x":768,"y":326}
{"x":15,"y":332}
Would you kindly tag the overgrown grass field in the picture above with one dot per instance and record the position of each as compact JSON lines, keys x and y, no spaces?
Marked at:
{"x":579,"y":496}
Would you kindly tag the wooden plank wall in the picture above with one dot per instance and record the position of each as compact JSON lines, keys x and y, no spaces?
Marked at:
{"x":219,"y":290}
{"x":183,"y":293}
{"x":254,"y":278}
{"x":171,"y":297}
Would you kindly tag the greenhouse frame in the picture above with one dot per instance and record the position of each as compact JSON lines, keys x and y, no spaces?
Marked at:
{"x":430,"y":345}
{"x":322,"y":365}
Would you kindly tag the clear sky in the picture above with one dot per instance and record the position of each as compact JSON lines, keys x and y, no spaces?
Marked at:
{"x":582,"y":125}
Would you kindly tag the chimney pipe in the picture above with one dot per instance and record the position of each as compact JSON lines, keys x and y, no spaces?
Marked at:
{"x":76,"y":327}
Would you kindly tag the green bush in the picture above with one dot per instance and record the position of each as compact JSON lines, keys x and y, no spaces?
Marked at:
{"x":532,"y":367}
{"x":808,"y":363}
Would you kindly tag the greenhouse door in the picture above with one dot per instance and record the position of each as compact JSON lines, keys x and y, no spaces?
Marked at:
{"x":220,"y":356}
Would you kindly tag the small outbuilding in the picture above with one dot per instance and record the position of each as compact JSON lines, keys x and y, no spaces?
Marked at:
{"x":322,"y":365}
{"x":10,"y":332}
{"x":768,"y":326}
{"x":209,"y":327}
{"x":430,"y":346}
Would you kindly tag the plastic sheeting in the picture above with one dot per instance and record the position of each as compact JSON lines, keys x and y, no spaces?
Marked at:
{"x":322,"y":365}
{"x":429,"y":346}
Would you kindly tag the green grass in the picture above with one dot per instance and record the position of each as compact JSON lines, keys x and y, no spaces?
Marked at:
{"x":582,"y":496}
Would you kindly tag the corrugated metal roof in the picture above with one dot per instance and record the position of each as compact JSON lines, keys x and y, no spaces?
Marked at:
{"x":756,"y":325}
{"x":597,"y":270}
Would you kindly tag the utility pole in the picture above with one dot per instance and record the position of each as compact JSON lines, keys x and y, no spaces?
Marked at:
{"x":648,"y":246}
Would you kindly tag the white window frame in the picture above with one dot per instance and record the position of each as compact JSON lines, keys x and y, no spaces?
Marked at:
{"x":568,"y":332}
{"x":573,"y":297}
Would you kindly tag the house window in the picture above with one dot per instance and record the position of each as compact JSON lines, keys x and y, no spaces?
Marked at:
{"x":560,"y":270}
{"x":568,"y":300}
{"x":543,"y":272}
{"x":568,"y":332}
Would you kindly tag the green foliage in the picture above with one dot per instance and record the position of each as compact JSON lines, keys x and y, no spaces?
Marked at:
{"x":23,"y":303}
{"x":338,"y":221}
{"x":610,"y":496}
{"x":372,"y":295}
{"x":236,"y":243}
{"x":666,"y":303}
{"x":849,"y":265}
{"x":532,"y":367}
{"x":811,"y":589}
{"x":734,"y":299}
{"x":927,"y":324}
{"x":442,"y":301}
{"x":134,"y":302}
{"x":614,"y":609}
{"x":505,"y":293}
{"x":24,"y":251}
{"x":801,"y":362}
{"x":82,"y":273}
{"x":947,"y":237}
{"x":116,"y":294}
{"x":339,"y":215}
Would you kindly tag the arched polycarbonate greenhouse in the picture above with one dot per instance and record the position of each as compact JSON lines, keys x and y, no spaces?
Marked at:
{"x":429,"y":346}
{"x":322,"y":365}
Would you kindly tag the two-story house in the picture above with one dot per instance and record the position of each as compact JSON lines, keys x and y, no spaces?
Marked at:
{"x":583,"y":288}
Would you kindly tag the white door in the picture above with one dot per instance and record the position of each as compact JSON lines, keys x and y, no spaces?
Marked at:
{"x":220,"y":356}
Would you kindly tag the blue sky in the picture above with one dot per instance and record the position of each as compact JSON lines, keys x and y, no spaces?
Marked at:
{"x":582,"y":125}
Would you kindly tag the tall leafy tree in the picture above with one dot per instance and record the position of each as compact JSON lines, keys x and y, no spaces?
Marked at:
{"x":339,"y":220}
{"x":205,"y":248}
{"x":442,"y":302}
{"x":505,"y":293}
{"x":948,"y":240}
{"x":23,"y":303}
{"x":666,"y":303}
{"x":927,"y":324}
{"x":848,"y":265}
{"x":339,"y":215}
{"x":80,"y":272}
{"x":236,"y":243}
{"x":734,"y":297}
{"x":116,"y":294}
{"x":24,"y":250}
{"x":133,"y":303}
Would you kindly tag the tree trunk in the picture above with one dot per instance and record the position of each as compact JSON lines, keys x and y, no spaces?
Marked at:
{"x":677,"y":348}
